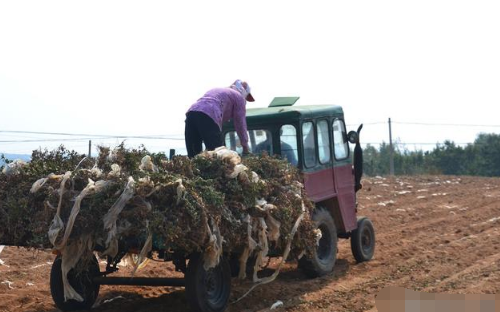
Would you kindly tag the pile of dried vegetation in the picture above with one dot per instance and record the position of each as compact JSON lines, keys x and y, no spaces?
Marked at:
{"x":214,"y":203}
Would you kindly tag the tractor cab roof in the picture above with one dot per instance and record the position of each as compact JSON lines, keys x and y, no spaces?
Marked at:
{"x":282,"y":109}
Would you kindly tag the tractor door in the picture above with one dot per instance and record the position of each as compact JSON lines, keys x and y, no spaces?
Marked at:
{"x":343,"y":175}
{"x":317,"y":160}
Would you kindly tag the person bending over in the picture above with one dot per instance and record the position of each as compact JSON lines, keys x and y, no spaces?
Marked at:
{"x":204,"y":118}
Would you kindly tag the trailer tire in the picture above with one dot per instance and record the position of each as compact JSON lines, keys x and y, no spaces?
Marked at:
{"x":82,"y":283}
{"x":363,"y":240}
{"x":323,"y":258}
{"x":208,"y":290}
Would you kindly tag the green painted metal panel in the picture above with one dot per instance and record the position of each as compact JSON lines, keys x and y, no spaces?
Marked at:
{"x":287,"y":114}
{"x":284,"y":101}
{"x":282,"y":114}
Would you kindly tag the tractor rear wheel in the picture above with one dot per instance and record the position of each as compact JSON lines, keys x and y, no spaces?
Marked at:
{"x":323,"y":257}
{"x":208,"y":290}
{"x":363,"y":240}
{"x":81,"y":281}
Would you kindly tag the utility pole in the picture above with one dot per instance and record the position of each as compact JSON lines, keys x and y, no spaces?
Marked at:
{"x":90,"y":147}
{"x":391,"y":151}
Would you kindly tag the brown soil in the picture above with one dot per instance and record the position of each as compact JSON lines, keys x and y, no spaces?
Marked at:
{"x":434,"y":234}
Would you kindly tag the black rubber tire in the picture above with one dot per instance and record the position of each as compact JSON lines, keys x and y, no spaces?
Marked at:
{"x":363,"y":240}
{"x":81,"y":282}
{"x":208,"y":291}
{"x":324,"y":256}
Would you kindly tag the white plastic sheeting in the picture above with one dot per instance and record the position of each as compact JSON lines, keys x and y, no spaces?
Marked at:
{"x":181,"y":191}
{"x":1,"y":261}
{"x":147,"y":164}
{"x":14,"y":167}
{"x":92,"y":187}
{"x":283,"y":259}
{"x":115,"y":171}
{"x":213,"y":252}
{"x":148,"y":245}
{"x":57,"y":224}
{"x":111,"y":216}
{"x":70,"y":255}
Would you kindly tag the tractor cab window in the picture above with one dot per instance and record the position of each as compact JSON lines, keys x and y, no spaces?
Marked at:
{"x":288,"y":141}
{"x":259,"y":140}
{"x":323,"y":141}
{"x":339,"y":143}
{"x":309,"y":144}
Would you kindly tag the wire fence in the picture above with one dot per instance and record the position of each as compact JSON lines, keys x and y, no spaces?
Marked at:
{"x":12,"y":140}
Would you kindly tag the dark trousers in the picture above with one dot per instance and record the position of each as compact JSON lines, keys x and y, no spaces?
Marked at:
{"x":201,"y":128}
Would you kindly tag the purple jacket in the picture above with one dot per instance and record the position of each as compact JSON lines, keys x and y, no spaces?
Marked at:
{"x":222,"y":104}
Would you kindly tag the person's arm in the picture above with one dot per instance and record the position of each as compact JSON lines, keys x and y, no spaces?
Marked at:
{"x":240,"y":123}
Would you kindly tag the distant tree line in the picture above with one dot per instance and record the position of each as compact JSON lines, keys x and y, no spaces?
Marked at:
{"x":481,"y":158}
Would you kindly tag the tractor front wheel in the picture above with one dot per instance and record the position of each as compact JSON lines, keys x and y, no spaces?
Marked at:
{"x":363,"y":240}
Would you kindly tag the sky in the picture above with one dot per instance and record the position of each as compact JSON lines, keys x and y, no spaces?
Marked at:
{"x":133,"y":68}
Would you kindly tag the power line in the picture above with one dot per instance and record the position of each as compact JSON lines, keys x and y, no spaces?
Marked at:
{"x":442,"y":124}
{"x":424,"y":124}
{"x":404,"y":143}
{"x":367,"y":123}
{"x":49,"y":140}
{"x":78,"y":137}
{"x":158,"y":137}
{"x":435,"y":143}
{"x":91,"y":138}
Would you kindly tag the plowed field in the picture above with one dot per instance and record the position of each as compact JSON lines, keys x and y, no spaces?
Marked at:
{"x":434,"y":234}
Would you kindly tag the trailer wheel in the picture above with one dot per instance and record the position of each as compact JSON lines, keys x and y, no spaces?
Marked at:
{"x":363,"y":240}
{"x":208,"y":290}
{"x":82,"y":282}
{"x":323,"y":257}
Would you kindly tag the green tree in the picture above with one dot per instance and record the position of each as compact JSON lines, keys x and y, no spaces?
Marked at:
{"x":479,"y":158}
{"x":486,"y":152}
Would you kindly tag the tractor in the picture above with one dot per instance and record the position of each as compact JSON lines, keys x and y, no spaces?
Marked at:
{"x":314,"y":138}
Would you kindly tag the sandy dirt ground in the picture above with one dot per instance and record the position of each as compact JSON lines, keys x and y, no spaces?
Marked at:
{"x":433,"y":234}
